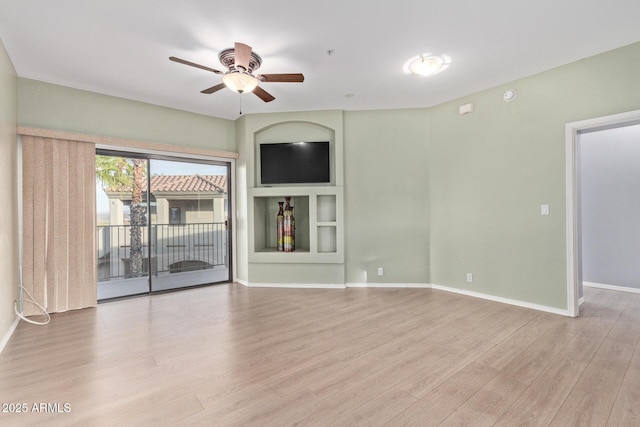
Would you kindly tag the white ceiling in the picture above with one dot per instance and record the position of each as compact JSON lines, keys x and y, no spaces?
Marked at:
{"x":121,"y":47}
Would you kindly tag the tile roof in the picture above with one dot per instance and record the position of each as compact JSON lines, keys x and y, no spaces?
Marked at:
{"x":183,"y":183}
{"x":188,"y":183}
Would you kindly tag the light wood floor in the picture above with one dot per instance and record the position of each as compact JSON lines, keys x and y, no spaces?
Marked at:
{"x":228,"y":355}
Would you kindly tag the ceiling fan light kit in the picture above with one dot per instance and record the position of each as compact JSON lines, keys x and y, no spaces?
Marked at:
{"x":239,"y":82}
{"x":426,"y":64}
{"x":241,"y":62}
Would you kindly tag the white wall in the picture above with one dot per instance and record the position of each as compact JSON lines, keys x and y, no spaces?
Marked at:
{"x":610,"y":172}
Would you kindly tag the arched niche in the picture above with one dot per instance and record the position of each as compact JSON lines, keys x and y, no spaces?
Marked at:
{"x":294,"y":131}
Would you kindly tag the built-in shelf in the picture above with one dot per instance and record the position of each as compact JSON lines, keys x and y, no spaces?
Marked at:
{"x":327,"y":242}
{"x":318,"y":208}
{"x":265,"y":217}
{"x":317,"y":212}
{"x":326,"y":208}
{"x":273,"y":250}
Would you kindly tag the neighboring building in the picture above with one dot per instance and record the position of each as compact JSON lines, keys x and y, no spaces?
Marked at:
{"x":176,"y":199}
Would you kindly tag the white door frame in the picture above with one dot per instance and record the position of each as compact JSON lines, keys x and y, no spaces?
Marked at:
{"x":574,"y":250}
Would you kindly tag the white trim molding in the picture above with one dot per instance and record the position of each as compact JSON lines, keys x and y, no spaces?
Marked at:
{"x":509,"y":301}
{"x":294,"y":285}
{"x":334,"y":286}
{"x":611,"y":287}
{"x":7,"y":335}
{"x":390,"y":285}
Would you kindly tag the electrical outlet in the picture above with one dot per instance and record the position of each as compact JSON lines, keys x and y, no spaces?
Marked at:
{"x":469,"y":277}
{"x":544,"y":209}
{"x":380,"y":271}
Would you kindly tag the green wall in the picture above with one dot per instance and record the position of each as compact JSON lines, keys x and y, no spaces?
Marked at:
{"x":56,"y":107}
{"x":491,"y":170}
{"x":386,"y":196}
{"x":241,"y":243}
{"x":8,"y":192}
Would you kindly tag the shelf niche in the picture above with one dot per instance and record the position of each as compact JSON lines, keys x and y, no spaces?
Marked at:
{"x":327,"y":239}
{"x":326,"y":208}
{"x":265,"y":223}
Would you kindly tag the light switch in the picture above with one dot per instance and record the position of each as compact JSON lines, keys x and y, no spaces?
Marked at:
{"x":544,"y":209}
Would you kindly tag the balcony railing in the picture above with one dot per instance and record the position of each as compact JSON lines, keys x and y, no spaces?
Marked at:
{"x":174,"y":248}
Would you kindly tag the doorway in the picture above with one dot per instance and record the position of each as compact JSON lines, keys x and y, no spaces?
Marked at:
{"x":610,"y":208}
{"x":574,"y":132}
{"x":163,"y":223}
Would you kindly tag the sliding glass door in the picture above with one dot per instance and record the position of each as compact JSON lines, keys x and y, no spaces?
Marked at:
{"x":189,"y":232}
{"x":162,"y":224}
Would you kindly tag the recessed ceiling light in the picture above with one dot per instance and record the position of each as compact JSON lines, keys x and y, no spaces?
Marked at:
{"x":426,"y":64}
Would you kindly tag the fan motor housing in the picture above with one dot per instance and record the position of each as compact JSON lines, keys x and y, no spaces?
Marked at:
{"x":227,"y":58}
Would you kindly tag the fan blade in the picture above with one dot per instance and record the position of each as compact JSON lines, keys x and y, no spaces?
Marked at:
{"x":263,"y":94}
{"x":242,"y":55}
{"x":213,"y":89}
{"x":193,"y":64}
{"x":281,"y":78}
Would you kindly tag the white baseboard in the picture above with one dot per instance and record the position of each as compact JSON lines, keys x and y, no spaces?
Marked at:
{"x":390,"y":285}
{"x":504,"y":300}
{"x":611,"y":287}
{"x":7,"y":335}
{"x":331,"y":285}
{"x":580,"y":300}
{"x":295,"y":285}
{"x":409,"y":285}
{"x":334,"y":286}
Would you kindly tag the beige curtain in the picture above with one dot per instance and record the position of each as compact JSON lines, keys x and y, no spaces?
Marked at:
{"x":59,"y":223}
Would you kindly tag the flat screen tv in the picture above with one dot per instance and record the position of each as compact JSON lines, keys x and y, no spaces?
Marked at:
{"x":295,"y":163}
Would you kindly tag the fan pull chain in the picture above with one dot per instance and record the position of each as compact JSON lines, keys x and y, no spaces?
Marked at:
{"x":240,"y":104}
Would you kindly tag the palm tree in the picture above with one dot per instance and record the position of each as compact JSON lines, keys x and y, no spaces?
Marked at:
{"x":125,"y":174}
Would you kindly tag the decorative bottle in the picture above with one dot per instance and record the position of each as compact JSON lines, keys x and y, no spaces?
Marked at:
{"x":289,"y":227}
{"x":280,"y":228}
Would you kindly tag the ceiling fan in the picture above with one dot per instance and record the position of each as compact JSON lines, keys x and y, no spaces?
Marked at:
{"x":241,"y":63}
